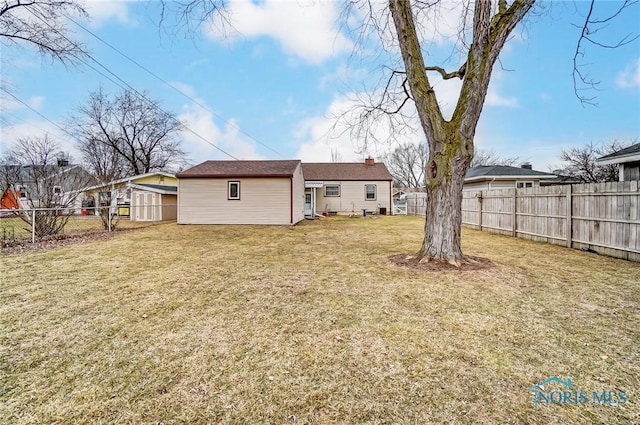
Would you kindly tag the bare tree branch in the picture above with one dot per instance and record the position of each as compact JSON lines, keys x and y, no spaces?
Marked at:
{"x":41,"y":24}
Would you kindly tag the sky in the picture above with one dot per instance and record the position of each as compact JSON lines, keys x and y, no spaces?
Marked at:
{"x":270,"y":84}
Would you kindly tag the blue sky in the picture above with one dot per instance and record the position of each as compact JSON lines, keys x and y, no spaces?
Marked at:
{"x":272,"y":86}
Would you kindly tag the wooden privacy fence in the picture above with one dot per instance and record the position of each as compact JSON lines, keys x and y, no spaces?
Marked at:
{"x":602,"y":216}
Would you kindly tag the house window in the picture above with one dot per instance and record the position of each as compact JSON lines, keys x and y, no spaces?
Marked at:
{"x":23,"y":192}
{"x":523,"y":185}
{"x":234,"y":190}
{"x":332,"y":190}
{"x":57,"y":190}
{"x":369,"y":192}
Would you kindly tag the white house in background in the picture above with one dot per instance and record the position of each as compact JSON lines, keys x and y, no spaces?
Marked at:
{"x":489,"y":177}
{"x":628,"y":161}
{"x":347,"y":187}
{"x":241,"y":192}
{"x":145,"y":197}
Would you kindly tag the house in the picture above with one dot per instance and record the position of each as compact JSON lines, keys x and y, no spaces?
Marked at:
{"x":242,"y":192}
{"x":43,"y":186}
{"x":347,"y":187}
{"x":628,"y":161}
{"x":145,"y":197}
{"x":489,"y":177}
{"x":10,"y":200}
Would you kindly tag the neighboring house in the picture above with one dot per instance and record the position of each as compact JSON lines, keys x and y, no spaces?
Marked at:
{"x":242,"y":192}
{"x":146,"y":197}
{"x":489,"y":177}
{"x":10,"y":200}
{"x":347,"y":187}
{"x":628,"y":161}
{"x":44,"y":186}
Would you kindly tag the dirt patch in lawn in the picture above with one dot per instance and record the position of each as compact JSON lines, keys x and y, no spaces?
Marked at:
{"x":51,"y":242}
{"x":470,"y":263}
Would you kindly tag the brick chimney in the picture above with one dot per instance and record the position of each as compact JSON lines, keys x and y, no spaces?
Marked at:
{"x":526,"y":165}
{"x":369,"y":161}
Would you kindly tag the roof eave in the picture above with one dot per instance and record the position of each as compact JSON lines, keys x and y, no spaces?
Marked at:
{"x":620,"y":159}
{"x":529,"y":176}
{"x":232,"y":176}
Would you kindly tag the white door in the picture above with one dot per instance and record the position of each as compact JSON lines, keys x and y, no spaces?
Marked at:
{"x":145,"y":205}
{"x":308,"y":202}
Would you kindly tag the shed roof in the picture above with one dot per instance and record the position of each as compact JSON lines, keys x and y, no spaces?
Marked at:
{"x":345,"y":171}
{"x":238,"y":169}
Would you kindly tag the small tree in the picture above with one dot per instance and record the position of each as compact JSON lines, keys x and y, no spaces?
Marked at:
{"x":490,"y":157}
{"x":581,"y":163}
{"x":406,"y":163}
{"x":41,"y":175}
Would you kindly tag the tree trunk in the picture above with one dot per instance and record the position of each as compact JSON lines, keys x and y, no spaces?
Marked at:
{"x":445,"y":176}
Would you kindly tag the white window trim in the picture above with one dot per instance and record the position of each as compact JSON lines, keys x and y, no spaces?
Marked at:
{"x":229,"y":184}
{"x":331,"y":196}
{"x":375,"y":192}
{"x":523,"y":183}
{"x":24,"y":194}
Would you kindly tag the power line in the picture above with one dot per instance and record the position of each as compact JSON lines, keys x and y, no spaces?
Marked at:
{"x":34,"y":110}
{"x":171,"y":85}
{"x":141,"y":95}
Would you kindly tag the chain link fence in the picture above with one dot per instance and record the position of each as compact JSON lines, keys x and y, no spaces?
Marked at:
{"x":39,"y":224}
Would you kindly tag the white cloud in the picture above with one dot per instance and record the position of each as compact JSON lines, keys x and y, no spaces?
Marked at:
{"x":200,"y":146}
{"x":102,"y":11}
{"x":303,"y":29}
{"x":319,"y":136}
{"x":630,"y":77}
{"x":15,"y":130}
{"x":7,"y":103}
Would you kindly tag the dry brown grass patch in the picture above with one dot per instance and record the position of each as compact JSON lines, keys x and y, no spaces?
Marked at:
{"x":312,"y":324}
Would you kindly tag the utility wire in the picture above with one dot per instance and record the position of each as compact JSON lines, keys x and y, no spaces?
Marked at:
{"x":171,"y":85}
{"x":34,"y":110}
{"x":141,"y":95}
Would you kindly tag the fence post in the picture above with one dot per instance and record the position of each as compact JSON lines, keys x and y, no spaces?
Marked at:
{"x":33,"y":226}
{"x":109,"y":217}
{"x":480,"y":211}
{"x":569,"y":220}
{"x":514,"y":217}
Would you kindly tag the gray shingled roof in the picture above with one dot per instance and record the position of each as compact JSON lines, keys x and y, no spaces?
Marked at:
{"x":159,"y":187}
{"x":237,"y":169}
{"x":345,"y":171}
{"x":504,"y":171}
{"x":633,"y":149}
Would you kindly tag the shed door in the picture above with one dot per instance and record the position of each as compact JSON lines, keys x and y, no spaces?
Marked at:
{"x":145,"y":206}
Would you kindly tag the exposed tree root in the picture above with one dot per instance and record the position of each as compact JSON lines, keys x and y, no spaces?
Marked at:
{"x":468,"y":263}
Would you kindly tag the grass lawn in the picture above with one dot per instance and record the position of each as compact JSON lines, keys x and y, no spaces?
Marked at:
{"x":312,"y":324}
{"x":15,"y":228}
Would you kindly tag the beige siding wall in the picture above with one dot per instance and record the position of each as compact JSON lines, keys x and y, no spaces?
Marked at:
{"x":298,"y":195}
{"x":352,"y":197}
{"x":262,"y":201}
{"x":169,"y":207}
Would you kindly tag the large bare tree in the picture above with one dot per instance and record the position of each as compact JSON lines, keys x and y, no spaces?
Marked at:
{"x":128,"y":133}
{"x":485,"y":26}
{"x":41,"y":24}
